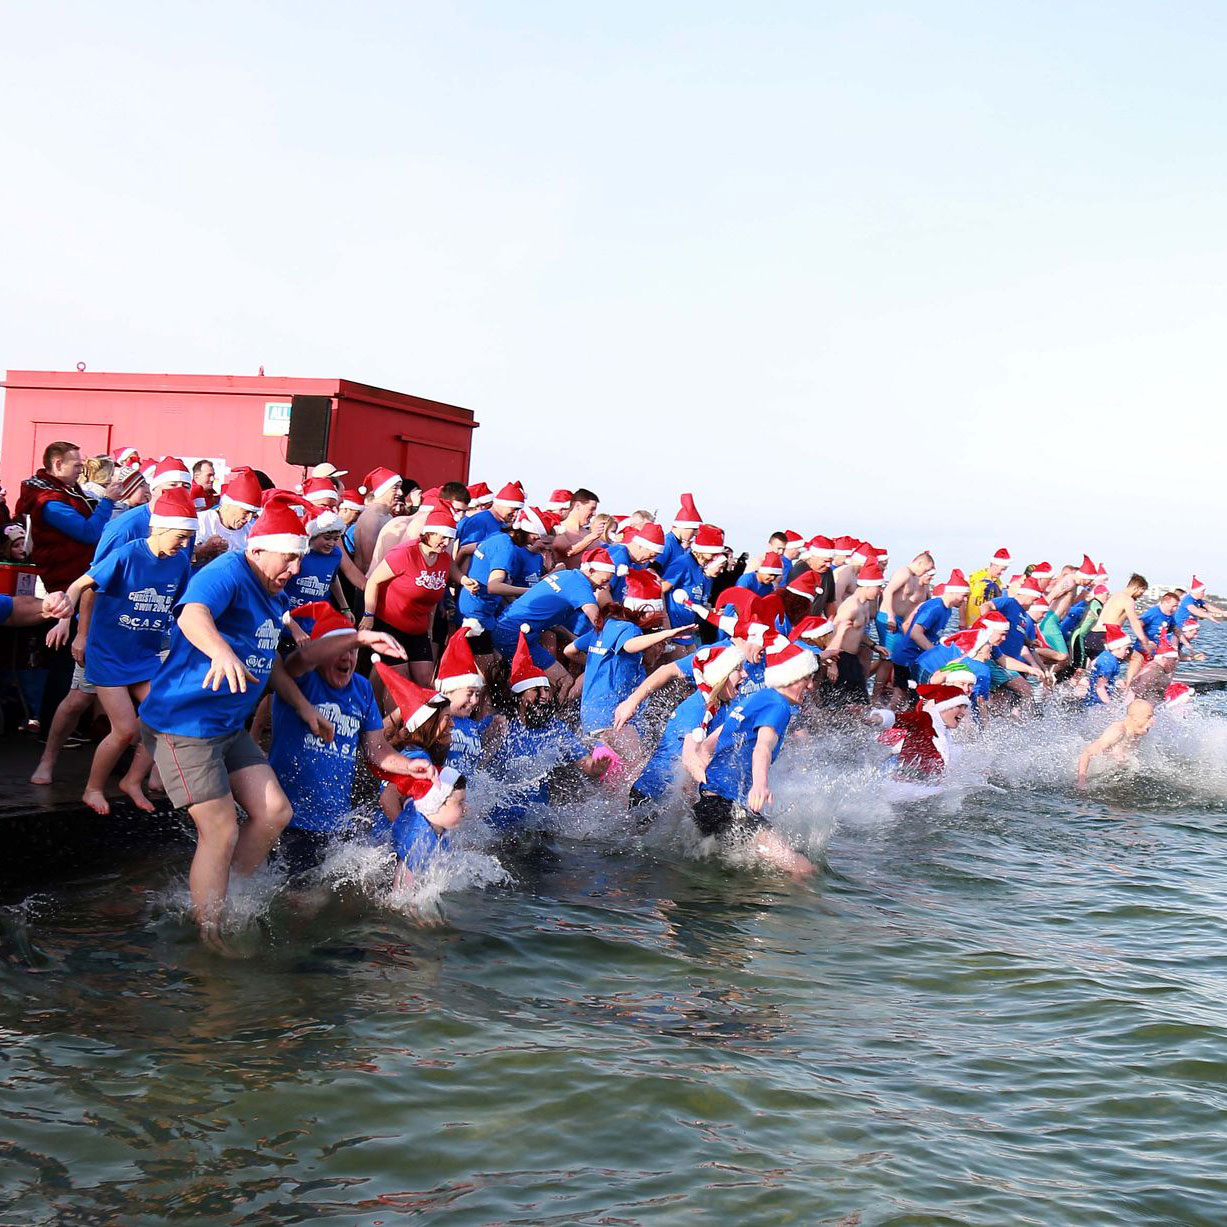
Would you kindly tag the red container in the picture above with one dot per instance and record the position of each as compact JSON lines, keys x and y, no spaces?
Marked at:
{"x":231,"y":419}
{"x":17,"y":579}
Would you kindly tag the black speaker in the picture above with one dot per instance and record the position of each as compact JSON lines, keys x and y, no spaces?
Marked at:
{"x":310,"y":422}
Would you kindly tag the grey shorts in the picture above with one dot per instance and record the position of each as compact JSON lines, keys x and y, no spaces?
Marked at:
{"x":198,"y":769}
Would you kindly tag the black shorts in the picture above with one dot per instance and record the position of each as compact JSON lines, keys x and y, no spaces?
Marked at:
{"x":729,"y":821}
{"x":1093,"y":644}
{"x":903,"y":675}
{"x":850,"y":684}
{"x":417,"y":647}
{"x":481,"y":643}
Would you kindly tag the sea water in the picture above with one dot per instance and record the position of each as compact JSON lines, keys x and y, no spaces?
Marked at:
{"x":1003,"y":1002}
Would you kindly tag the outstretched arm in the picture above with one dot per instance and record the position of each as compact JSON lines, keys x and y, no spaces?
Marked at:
{"x":1105,"y":741}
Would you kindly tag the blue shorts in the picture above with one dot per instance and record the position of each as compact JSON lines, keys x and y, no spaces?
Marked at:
{"x":999,"y":675}
{"x":506,"y":639}
{"x":879,"y":624}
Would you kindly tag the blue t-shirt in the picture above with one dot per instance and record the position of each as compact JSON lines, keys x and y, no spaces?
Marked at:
{"x":318,"y":776}
{"x":729,"y":774}
{"x":314,"y":579}
{"x":686,"y":575}
{"x":1153,"y":621}
{"x":466,"y":746}
{"x":6,"y":609}
{"x":248,"y":617}
{"x":1022,"y":628}
{"x":932,"y":616}
{"x":659,"y":770}
{"x":131,"y":525}
{"x":523,"y":764}
{"x":552,"y":601}
{"x":1184,"y":611}
{"x":132,"y":612}
{"x":928,"y":663}
{"x":415,"y":840}
{"x":750,"y":580}
{"x":672,"y":551}
{"x":496,"y":553}
{"x":610,"y":674}
{"x":1106,"y":666}
{"x":476,"y":528}
{"x":1073,"y":619}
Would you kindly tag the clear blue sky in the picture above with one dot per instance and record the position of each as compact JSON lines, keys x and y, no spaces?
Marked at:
{"x":945,"y":275}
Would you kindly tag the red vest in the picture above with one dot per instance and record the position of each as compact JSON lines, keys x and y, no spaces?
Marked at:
{"x":59,"y":559}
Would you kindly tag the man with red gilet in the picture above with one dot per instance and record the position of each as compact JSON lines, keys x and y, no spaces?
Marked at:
{"x":986,"y":585}
{"x":919,"y":740}
{"x":382,"y":488}
{"x":850,"y":622}
{"x":222,"y":650}
{"x":735,"y":762}
{"x":677,"y":540}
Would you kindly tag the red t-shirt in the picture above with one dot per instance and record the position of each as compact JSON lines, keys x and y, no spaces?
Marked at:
{"x":408,"y":600}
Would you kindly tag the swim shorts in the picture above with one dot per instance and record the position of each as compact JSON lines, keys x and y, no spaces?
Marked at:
{"x":850,"y":683}
{"x":198,"y":769}
{"x":729,"y":821}
{"x":417,"y":647}
{"x":1000,"y":676}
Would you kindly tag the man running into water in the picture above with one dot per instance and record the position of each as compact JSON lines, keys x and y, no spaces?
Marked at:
{"x":1120,"y":739}
{"x":849,"y":633}
{"x":1119,"y":608}
{"x":908,"y":587}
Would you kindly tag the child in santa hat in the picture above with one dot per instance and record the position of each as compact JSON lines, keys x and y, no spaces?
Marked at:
{"x":1105,"y":671}
{"x":474,"y":735}
{"x":432,"y":808}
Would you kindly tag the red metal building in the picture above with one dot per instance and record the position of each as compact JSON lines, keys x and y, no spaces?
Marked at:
{"x":231,"y":419}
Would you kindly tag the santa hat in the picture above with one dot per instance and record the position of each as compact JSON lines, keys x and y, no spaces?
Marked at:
{"x":351,"y":500}
{"x":871,"y":576}
{"x":281,"y":524}
{"x":441,"y":522}
{"x":992,"y":620}
{"x":735,"y":625}
{"x":511,"y":495}
{"x":1177,"y":694}
{"x":480,"y":495}
{"x":1002,"y":557}
{"x":786,"y":663}
{"x":598,"y":559}
{"x":457,"y":668}
{"x":326,"y":522}
{"x":431,"y":499}
{"x":805,"y":584}
{"x":429,"y":795}
{"x":1101,"y":591}
{"x":883,"y":554}
{"x":1197,"y":588}
{"x":687,"y":514}
{"x":844,"y":544}
{"x":320,"y":490}
{"x":169,"y":470}
{"x":643,"y":593}
{"x":1030,"y":588}
{"x":791,"y":538}
{"x":771,"y":564}
{"x":560,"y":500}
{"x":243,"y":490}
{"x":198,"y":496}
{"x":524,"y":674}
{"x":126,"y":456}
{"x":1165,"y":649}
{"x":173,"y":509}
{"x":937,"y":589}
{"x":1114,"y":636}
{"x":650,"y":537}
{"x":957,"y":583}
{"x":1041,"y":571}
{"x":378,"y":482}
{"x":708,"y":540}
{"x":810,"y":629}
{"x":328,"y":621}
{"x":966,"y":642}
{"x":1039,"y":607}
{"x":864,"y":554}
{"x":1086,"y":569}
{"x":711,"y":668}
{"x":1102,"y":572}
{"x":941,"y":698}
{"x":415,"y":703}
{"x":531,"y":520}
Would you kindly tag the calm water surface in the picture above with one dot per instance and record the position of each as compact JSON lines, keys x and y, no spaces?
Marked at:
{"x":994,"y":1006}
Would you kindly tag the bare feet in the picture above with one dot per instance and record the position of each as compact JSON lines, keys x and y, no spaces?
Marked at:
{"x":135,"y":795}
{"x":42,"y":774}
{"x":96,"y":801}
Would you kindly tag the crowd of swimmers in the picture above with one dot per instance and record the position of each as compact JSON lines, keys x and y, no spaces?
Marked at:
{"x":258,"y":652}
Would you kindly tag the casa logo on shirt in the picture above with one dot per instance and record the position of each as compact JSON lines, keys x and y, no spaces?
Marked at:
{"x":346,"y":727}
{"x":434,"y":580}
{"x":312,"y":585}
{"x":267,"y":635}
{"x":150,"y":600}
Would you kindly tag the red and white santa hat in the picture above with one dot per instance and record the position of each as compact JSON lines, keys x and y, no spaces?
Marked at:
{"x":649,"y":537}
{"x":819,"y":547}
{"x":1002,"y":557}
{"x":429,"y":794}
{"x":863,"y":554}
{"x":844,"y":545}
{"x":1086,"y":569}
{"x":937,"y":589}
{"x":1030,"y":588}
{"x":327,"y":620}
{"x":441,"y":522}
{"x":643,"y":593}
{"x":1114,"y":636}
{"x":414,"y":703}
{"x":1177,"y":695}
{"x":957,"y":583}
{"x":281,"y":525}
{"x":870,"y":576}
{"x":457,"y":668}
{"x":531,"y":520}
{"x":1101,"y":591}
{"x":1041,"y":571}
{"x":1102,"y":572}
{"x":328,"y":521}
{"x":1165,"y":649}
{"x":559,"y":500}
{"x":198,"y":496}
{"x":351,"y":500}
{"x":708,"y":540}
{"x":321,"y":491}
{"x":1197,"y":588}
{"x":786,"y":663}
{"x":791,"y":538}
{"x":687,"y":514}
{"x":771,"y":564}
{"x":243,"y":490}
{"x":711,"y":668}
{"x":173,"y":509}
{"x":524,"y":674}
{"x":125,"y":456}
{"x":967,"y":641}
{"x":169,"y":471}
{"x":480,"y":495}
{"x":941,"y":698}
{"x":811,"y":628}
{"x":511,"y":495}
{"x":992,"y":620}
{"x":598,"y":559}
{"x":804,"y":584}
{"x":378,"y":482}
{"x":883,"y":554}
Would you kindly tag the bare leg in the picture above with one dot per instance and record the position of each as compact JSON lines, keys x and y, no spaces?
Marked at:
{"x":776,"y":852}
{"x":117,"y":703}
{"x":1136,"y":661}
{"x":217,"y":833}
{"x":67,"y":716}
{"x":268,"y":811}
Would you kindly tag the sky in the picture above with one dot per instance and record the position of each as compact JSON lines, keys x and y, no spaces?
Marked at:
{"x":939,"y":275}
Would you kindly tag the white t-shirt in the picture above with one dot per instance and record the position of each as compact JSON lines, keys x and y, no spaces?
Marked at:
{"x":211,"y":526}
